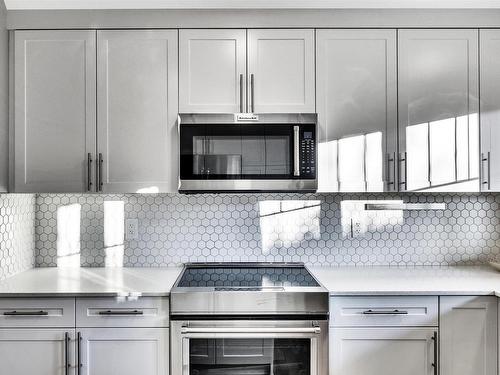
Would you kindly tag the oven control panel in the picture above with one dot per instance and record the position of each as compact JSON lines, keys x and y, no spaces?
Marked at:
{"x":307,"y":152}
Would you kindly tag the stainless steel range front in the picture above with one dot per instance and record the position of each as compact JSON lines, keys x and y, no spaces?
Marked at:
{"x":248,"y":319}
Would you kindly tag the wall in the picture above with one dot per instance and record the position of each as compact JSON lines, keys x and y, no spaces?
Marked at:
{"x":17,"y":233}
{"x":175,"y":228}
{"x":4,"y":89}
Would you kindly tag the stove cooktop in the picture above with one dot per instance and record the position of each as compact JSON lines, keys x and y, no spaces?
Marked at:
{"x":247,"y":288}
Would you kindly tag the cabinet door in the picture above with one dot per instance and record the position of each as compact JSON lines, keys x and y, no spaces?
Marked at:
{"x":490,"y":109}
{"x":212,"y":71}
{"x":54,"y":110}
{"x":376,"y":351}
{"x":468,"y":344}
{"x":438,"y":110}
{"x":124,"y":351}
{"x":281,"y":71}
{"x":37,"y":351}
{"x":357,"y":110}
{"x":137,"y":110}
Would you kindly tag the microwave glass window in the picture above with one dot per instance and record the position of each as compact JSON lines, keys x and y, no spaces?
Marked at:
{"x":250,"y":356}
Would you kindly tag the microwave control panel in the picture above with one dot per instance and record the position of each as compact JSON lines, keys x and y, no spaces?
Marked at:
{"x":307,"y":152}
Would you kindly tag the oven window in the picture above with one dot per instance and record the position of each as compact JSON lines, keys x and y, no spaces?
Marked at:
{"x":255,"y":356}
{"x":236,"y":152}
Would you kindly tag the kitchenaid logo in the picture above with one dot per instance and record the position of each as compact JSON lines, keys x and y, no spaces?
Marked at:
{"x":246,"y":117}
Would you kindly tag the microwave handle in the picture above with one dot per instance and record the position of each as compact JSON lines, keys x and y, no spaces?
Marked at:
{"x":296,"y":151}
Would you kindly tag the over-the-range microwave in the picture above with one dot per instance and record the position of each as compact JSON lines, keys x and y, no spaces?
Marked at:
{"x":248,"y":152}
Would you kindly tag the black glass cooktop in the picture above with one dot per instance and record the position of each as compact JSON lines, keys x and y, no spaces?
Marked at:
{"x":246,"y":277}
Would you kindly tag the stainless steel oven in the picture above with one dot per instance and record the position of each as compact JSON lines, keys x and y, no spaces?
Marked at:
{"x":249,"y":347}
{"x":247,"y":152}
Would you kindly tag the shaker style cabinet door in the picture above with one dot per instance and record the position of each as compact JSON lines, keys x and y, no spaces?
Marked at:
{"x":438,"y":110}
{"x":37,"y":351}
{"x":490,"y":109}
{"x":124,"y":351}
{"x":281,"y":71}
{"x":357,"y":110}
{"x":137,"y":111}
{"x":212,"y":71}
{"x":468,"y":326}
{"x":388,"y":351}
{"x":54,"y":117}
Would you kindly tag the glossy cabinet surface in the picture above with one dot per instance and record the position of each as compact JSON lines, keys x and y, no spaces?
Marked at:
{"x":281,"y":71}
{"x":490,"y":109}
{"x":357,"y":110}
{"x":438,"y":110}
{"x":55,"y":110}
{"x":37,"y":351}
{"x":137,"y":110}
{"x":388,"y":351}
{"x":212,"y":71}
{"x":469,"y":334}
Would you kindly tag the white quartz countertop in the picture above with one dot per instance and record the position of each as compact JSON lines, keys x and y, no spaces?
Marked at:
{"x":409,"y":280}
{"x":53,"y":282}
{"x":65,"y":282}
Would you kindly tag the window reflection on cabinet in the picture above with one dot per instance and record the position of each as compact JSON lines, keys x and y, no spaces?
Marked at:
{"x":438,"y":110}
{"x":356,"y":102}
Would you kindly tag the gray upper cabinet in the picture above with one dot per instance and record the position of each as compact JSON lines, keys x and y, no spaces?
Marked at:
{"x":357,"y":110}
{"x":54,"y":115}
{"x":137,"y":109}
{"x":212,"y":71}
{"x":281,"y":71}
{"x":490,"y":109}
{"x":438,"y":110}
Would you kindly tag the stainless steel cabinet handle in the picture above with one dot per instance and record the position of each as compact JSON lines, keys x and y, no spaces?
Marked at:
{"x":89,"y":172}
{"x":435,"y":364}
{"x":252,"y":93}
{"x":241,"y":94}
{"x":67,"y":365}
{"x":391,"y":182}
{"x":403,"y":158}
{"x":100,"y":163}
{"x":385,"y":312}
{"x":121,"y":312}
{"x":296,"y":151}
{"x":488,"y":170}
{"x":184,"y":330}
{"x":79,"y":353}
{"x":26,"y":313}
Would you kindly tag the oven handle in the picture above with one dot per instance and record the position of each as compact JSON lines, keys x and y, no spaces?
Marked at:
{"x":296,"y":151}
{"x":186,"y":330}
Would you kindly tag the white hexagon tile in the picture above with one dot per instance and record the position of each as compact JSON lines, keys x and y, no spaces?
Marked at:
{"x":17,"y":233}
{"x":313,"y":228}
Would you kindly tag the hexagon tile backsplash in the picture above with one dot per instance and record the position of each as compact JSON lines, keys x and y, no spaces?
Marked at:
{"x":318,"y":229}
{"x":17,"y":233}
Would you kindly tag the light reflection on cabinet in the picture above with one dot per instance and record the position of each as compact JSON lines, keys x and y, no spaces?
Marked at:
{"x":438,"y":110}
{"x":356,"y":104}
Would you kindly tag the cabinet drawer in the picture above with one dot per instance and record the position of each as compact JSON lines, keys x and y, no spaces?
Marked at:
{"x":117,"y":312}
{"x":37,"y":312}
{"x":383,"y":311}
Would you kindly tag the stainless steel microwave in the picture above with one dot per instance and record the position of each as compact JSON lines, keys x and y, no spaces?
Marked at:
{"x":247,"y":152}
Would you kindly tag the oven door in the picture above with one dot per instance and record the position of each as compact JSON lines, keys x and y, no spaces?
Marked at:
{"x":239,"y":347}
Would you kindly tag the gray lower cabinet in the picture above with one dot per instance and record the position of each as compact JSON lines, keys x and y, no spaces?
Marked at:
{"x":382,"y":350}
{"x":54,"y":110}
{"x":438,"y":110}
{"x":356,"y":93}
{"x":468,"y":335}
{"x":124,"y":351}
{"x":137,"y":111}
{"x":37,"y":351}
{"x":490,"y":109}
